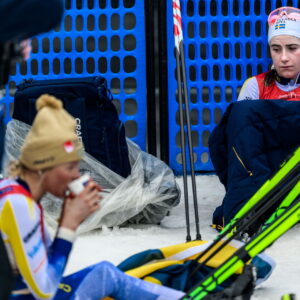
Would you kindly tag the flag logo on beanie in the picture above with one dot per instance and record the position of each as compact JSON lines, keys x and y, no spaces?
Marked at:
{"x":69,"y":146}
{"x":280,"y":26}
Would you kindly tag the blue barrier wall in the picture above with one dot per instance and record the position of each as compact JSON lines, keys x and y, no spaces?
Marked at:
{"x":95,"y":37}
{"x":225,"y":42}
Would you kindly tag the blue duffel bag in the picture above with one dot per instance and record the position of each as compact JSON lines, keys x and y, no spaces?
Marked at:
{"x":88,"y":100}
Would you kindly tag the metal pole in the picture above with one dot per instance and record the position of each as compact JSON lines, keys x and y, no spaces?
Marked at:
{"x":182,"y":92}
{"x":151,"y":97}
{"x":190,"y":145}
{"x":183,"y":153}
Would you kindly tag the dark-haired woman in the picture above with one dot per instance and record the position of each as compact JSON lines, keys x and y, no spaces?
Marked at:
{"x":283,"y":80}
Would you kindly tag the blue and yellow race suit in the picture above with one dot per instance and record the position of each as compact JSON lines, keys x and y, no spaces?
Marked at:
{"x":39,"y":263}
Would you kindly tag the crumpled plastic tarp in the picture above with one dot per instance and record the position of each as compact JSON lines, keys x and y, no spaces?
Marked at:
{"x":144,"y":197}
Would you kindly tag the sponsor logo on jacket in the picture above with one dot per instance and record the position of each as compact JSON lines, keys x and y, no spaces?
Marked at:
{"x":32,"y":232}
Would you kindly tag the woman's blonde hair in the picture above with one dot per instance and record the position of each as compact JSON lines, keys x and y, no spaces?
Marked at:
{"x":16,"y":169}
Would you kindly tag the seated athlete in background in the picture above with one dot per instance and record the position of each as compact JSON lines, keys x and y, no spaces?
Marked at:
{"x":283,"y":80}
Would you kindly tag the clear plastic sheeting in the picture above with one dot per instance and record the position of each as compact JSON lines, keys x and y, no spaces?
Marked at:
{"x":144,"y":197}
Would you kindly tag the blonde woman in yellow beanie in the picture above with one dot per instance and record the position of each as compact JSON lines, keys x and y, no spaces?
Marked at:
{"x":49,"y":162}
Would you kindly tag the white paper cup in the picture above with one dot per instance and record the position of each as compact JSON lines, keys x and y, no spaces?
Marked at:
{"x":78,"y":184}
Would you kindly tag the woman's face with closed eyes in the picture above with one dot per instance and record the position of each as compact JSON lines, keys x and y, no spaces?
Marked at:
{"x":56,"y":179}
{"x":285,"y":53}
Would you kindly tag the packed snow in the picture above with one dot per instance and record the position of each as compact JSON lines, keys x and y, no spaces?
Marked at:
{"x":116,"y":244}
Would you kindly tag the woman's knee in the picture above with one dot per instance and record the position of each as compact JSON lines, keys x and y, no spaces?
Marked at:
{"x":106,"y":266}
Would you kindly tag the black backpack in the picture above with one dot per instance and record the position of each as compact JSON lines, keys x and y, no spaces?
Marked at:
{"x":89,"y":101}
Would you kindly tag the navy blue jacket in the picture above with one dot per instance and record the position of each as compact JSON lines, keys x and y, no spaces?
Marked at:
{"x":253,"y":138}
{"x":23,"y":19}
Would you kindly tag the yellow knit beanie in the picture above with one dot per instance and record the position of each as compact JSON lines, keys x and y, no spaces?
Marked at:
{"x":51,"y":140}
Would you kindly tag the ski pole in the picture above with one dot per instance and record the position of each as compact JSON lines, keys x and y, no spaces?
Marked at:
{"x":287,"y":166}
{"x":184,"y":107}
{"x":290,"y":191}
{"x":288,"y":200}
{"x":183,"y":152}
{"x":288,"y":170}
{"x":177,"y":34}
{"x":190,"y":144}
{"x":256,"y":245}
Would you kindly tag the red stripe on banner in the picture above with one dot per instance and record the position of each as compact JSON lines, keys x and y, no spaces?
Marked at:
{"x":176,"y":31}
{"x":175,"y":5}
{"x":178,"y":18}
{"x":177,"y":23}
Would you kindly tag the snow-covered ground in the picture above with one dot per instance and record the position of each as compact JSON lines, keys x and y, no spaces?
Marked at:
{"x":116,"y":244}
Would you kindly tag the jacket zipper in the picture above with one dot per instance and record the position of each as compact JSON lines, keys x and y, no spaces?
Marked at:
{"x":242,"y":163}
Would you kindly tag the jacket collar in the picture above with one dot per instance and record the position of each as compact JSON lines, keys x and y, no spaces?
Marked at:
{"x":286,"y":81}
